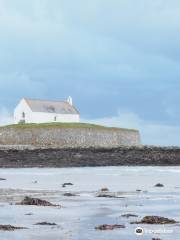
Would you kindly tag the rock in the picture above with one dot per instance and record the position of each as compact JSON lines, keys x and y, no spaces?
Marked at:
{"x":109,"y":227}
{"x":28,"y":214}
{"x":108,"y":195}
{"x":103,"y":195}
{"x":123,"y":155}
{"x":104,"y":190}
{"x":9,"y":228}
{"x":138,"y":190}
{"x":69,"y":195}
{"x":35,"y":182}
{"x":156,"y":239}
{"x":2,"y":179}
{"x":67,"y":184}
{"x":36,"y":201}
{"x":129,"y":215}
{"x":159,"y":185}
{"x":46,"y":224}
{"x":155,"y":220}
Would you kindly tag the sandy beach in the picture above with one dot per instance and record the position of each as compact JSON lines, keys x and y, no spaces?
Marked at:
{"x":132,"y":192}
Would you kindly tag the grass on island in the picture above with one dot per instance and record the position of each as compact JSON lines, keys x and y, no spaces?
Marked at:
{"x":62,"y":125}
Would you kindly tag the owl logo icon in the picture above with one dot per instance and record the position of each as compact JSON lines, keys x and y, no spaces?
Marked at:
{"x":139,"y":231}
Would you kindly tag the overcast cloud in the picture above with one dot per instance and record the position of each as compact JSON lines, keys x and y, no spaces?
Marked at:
{"x":118,"y":59}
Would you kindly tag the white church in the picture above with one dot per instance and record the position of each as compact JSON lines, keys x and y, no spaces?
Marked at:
{"x":44,"y":111}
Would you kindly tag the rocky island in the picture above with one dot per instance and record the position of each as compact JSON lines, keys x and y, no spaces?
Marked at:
{"x":78,"y":144}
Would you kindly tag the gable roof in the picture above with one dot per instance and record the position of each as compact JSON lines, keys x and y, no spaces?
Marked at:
{"x":46,"y":106}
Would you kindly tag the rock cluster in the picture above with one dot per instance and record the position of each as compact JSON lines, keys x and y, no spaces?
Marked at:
{"x":46,"y":224}
{"x":10,"y":228}
{"x":67,"y":184}
{"x":155,"y":220}
{"x":109,"y":227}
{"x":159,"y":185}
{"x":35,"y":201}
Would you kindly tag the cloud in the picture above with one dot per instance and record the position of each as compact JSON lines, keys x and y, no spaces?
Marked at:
{"x":151,"y":133}
{"x":15,"y":86}
{"x":5,"y":117}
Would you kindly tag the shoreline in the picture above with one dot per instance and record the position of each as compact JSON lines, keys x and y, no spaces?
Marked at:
{"x":25,"y":156}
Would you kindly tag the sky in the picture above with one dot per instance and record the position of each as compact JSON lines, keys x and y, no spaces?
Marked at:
{"x":118,"y":59}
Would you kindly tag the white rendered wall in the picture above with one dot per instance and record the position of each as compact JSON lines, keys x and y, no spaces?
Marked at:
{"x":22,"y":107}
{"x":39,"y":117}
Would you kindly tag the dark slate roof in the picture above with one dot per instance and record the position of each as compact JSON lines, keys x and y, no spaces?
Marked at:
{"x":59,"y":107}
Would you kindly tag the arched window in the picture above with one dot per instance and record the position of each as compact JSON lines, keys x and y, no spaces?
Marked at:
{"x":23,"y":115}
{"x":55,"y":118}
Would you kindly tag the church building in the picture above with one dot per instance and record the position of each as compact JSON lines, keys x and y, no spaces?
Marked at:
{"x":45,"y":111}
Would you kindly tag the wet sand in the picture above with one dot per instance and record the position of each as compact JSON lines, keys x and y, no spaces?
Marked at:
{"x":79,"y":215}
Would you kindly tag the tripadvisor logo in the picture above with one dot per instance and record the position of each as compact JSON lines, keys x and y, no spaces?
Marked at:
{"x":139,"y":231}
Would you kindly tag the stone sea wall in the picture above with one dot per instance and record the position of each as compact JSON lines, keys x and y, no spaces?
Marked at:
{"x":29,"y":156}
{"x":69,"y":137}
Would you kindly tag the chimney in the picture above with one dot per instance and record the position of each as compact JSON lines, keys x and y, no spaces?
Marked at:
{"x":69,"y":100}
